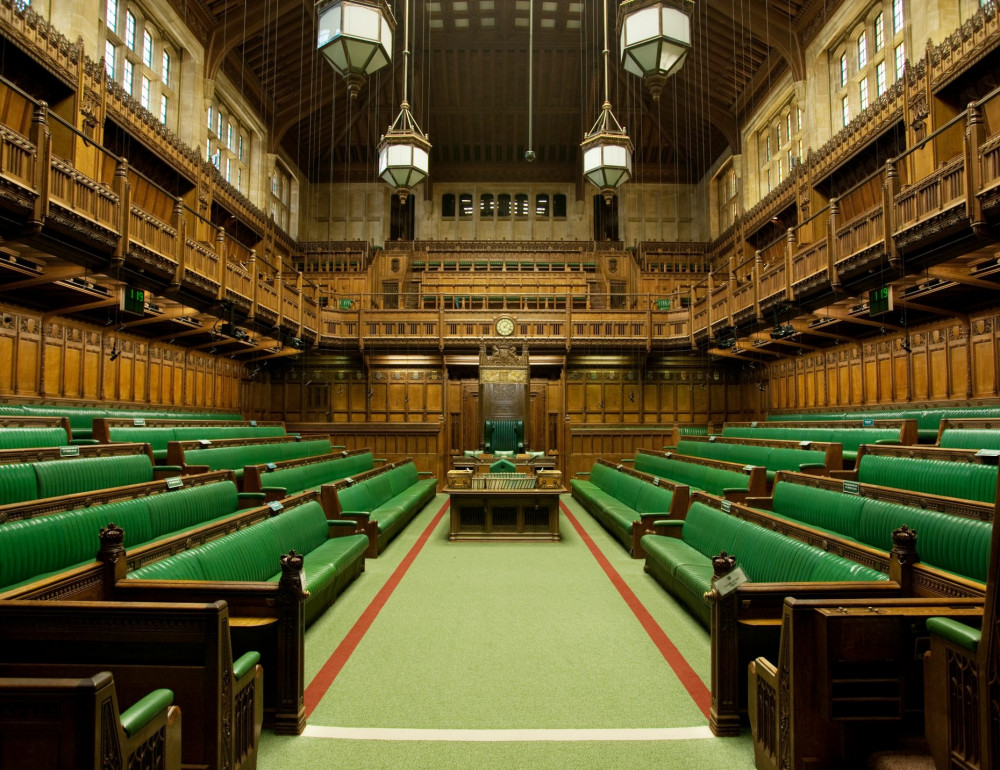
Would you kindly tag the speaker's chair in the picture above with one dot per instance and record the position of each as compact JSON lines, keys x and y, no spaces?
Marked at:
{"x":504,"y":436}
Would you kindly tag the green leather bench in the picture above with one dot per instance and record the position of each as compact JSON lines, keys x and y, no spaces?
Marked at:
{"x":278,"y":480}
{"x":963,"y":480}
{"x":159,"y":436}
{"x":928,"y":420}
{"x":254,"y":554}
{"x":774,"y":459}
{"x":979,"y":433}
{"x":626,"y":501}
{"x":24,"y":438}
{"x":20,"y":482}
{"x":45,"y":545}
{"x":81,"y":418}
{"x":849,"y":438}
{"x":951,"y":543}
{"x":380,"y":501}
{"x":235,"y":454}
{"x":718,"y":477}
{"x":682,"y":561}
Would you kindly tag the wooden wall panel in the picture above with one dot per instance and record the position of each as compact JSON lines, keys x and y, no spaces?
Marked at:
{"x":950,"y":360}
{"x":63,"y":359}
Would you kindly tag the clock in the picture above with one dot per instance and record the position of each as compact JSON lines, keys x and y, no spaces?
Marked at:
{"x":505,"y":326}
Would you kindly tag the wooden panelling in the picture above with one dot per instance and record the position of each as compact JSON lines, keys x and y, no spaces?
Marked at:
{"x":57,"y":358}
{"x":587,"y":443}
{"x":948,"y":361}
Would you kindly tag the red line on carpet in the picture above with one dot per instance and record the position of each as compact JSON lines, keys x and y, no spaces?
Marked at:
{"x":699,"y":693}
{"x":324,"y":679}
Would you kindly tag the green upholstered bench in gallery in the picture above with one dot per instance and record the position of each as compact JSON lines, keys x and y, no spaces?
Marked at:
{"x":969,"y":433}
{"x":185,"y":646}
{"x":234,"y":454}
{"x":627,"y":501}
{"x":278,"y":480}
{"x":272,"y":592}
{"x":381,"y":501}
{"x":734,"y":481}
{"x":51,"y":538}
{"x":158,"y":433}
{"x":965,"y":474}
{"x":77,"y":723}
{"x":774,"y":455}
{"x":68,"y":470}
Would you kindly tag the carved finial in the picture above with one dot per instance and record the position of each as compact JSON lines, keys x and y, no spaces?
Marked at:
{"x":112,"y":543}
{"x":291,"y":573}
{"x":904,"y":545}
{"x":723,"y":564}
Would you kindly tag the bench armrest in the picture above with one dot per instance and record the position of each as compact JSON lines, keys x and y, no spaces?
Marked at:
{"x":807,"y":467}
{"x":843,"y":475}
{"x":254,"y":498}
{"x":652,"y":518}
{"x":956,"y":632}
{"x":84,"y":442}
{"x":425,"y":473}
{"x":161,"y":472}
{"x":141,"y":713}
{"x":888,"y":441}
{"x":245,"y":664}
{"x":764,"y":503}
{"x":626,"y":460}
{"x":668,"y":527}
{"x":362,"y":515}
{"x":582,"y":473}
{"x":379,"y":460}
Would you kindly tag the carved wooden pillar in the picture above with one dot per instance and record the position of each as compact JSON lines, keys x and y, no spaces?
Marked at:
{"x":975,"y":135}
{"x":902,"y":557}
{"x":724,"y":717}
{"x":123,"y":189}
{"x":832,"y":252}
{"x":790,"y":243}
{"x":41,"y":137}
{"x":290,"y":712}
{"x":890,"y":189}
{"x":179,"y":222}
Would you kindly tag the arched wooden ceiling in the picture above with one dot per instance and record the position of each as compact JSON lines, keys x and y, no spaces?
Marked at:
{"x":469,"y":88}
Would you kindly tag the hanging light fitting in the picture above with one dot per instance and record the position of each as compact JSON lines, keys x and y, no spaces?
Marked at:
{"x":654,"y":38}
{"x":356,"y":38}
{"x":404,"y":150}
{"x":607,"y":149}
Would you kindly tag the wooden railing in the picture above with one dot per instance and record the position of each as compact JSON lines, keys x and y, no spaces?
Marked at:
{"x":17,"y":158}
{"x":83,"y":196}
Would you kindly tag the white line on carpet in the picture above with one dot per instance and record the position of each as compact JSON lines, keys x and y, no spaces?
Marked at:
{"x":507,"y":736}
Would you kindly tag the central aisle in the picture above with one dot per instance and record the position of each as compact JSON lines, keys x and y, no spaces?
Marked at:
{"x":493,"y":641}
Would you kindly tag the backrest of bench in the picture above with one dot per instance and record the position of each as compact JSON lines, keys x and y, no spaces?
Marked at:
{"x":69,"y":476}
{"x":714,"y":480}
{"x":970,"y":438}
{"x":851,"y":438}
{"x":766,"y":556}
{"x":969,"y":481}
{"x":378,"y":487}
{"x":822,"y":508}
{"x":17,"y":483}
{"x":236,"y":457}
{"x":21,"y":438}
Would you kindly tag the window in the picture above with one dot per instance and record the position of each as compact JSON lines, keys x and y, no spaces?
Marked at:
{"x":130,"y":30}
{"x":229,"y":148}
{"x":147,"y":48}
{"x":542,"y":206}
{"x":111,"y":17}
{"x":486,"y":206}
{"x":776,"y":139}
{"x":559,"y":206}
{"x":281,"y":196}
{"x":131,"y":58}
{"x":880,"y":78}
{"x":854,"y":90}
{"x":109,"y":59}
{"x":520,"y":205}
{"x":448,"y":206}
{"x":465,"y":206}
{"x":503,"y":205}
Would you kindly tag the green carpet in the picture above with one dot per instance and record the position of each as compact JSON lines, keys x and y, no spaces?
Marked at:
{"x":505,"y":636}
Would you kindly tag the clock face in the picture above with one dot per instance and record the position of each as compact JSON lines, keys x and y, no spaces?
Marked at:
{"x":505,"y":327}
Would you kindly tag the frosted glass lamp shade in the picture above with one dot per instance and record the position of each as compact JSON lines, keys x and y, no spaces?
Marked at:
{"x":355,"y":36}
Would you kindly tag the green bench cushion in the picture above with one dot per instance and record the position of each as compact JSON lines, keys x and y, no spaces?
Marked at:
{"x":390,"y":498}
{"x":236,"y":457}
{"x":17,"y":483}
{"x":28,"y":438}
{"x":66,"y":477}
{"x":971,"y":438}
{"x":311,"y":476}
{"x":968,"y":481}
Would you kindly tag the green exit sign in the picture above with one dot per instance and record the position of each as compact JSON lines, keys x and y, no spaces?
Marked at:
{"x":880,"y":301}
{"x":133,"y":300}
